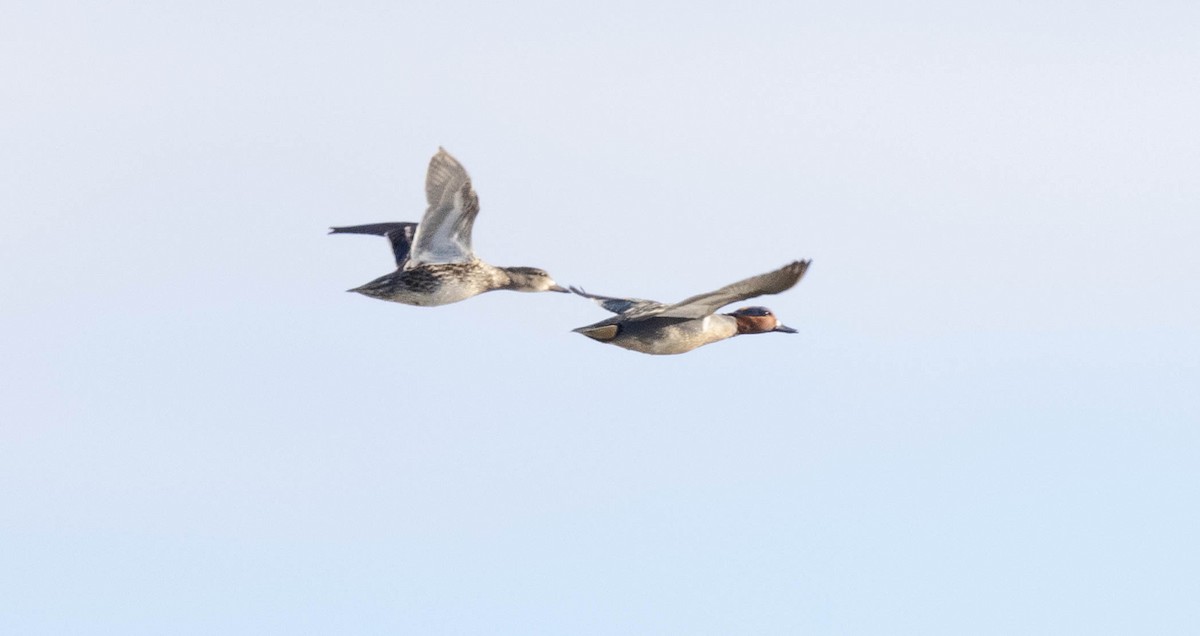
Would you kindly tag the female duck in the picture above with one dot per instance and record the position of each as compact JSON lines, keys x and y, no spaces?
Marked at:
{"x":435,"y":264}
{"x":659,"y":329}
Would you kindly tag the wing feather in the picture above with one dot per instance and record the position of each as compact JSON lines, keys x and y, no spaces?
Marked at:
{"x":400,"y":235}
{"x":702,"y":305}
{"x":625,"y":307}
{"x":444,"y":234}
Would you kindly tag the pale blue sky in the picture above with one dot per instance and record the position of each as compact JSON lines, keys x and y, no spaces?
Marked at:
{"x":988,"y":424}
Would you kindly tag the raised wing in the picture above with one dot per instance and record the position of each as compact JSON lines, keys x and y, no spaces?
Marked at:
{"x":399,"y":234}
{"x":623,"y":306}
{"x":444,"y":234}
{"x":702,"y":305}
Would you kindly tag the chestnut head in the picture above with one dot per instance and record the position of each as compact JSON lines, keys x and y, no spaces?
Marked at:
{"x":758,"y":320}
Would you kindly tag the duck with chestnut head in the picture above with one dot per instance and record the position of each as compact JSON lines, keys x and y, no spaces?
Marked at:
{"x":660,"y":329}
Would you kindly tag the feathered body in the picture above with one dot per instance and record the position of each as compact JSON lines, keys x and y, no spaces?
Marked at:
{"x":655,"y":328}
{"x":435,"y":264}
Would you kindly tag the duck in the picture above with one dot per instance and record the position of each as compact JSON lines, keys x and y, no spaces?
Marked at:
{"x":656,"y":328}
{"x":435,"y":263}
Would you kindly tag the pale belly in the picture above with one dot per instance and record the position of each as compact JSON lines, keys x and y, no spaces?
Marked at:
{"x":444,"y":295}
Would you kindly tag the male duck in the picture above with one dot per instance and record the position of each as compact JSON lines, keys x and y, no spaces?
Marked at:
{"x":659,"y":329}
{"x":435,"y":264}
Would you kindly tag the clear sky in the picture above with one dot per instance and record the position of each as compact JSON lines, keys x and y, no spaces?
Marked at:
{"x":989,"y":422}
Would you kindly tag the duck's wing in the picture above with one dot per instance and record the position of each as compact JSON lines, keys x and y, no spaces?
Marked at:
{"x":399,"y":234}
{"x":627,"y":308}
{"x":444,"y":234}
{"x":702,"y":305}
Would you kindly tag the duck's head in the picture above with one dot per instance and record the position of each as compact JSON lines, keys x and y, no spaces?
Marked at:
{"x":758,"y":320}
{"x":531,"y":279}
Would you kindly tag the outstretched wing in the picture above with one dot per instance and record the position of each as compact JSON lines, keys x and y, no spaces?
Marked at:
{"x":626,"y":307}
{"x":444,"y":234}
{"x":701,"y":305}
{"x":399,"y":234}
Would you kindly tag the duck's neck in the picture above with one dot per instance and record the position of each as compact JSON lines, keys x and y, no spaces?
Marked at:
{"x":726,"y":325}
{"x":499,"y":278}
{"x":514,"y":279}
